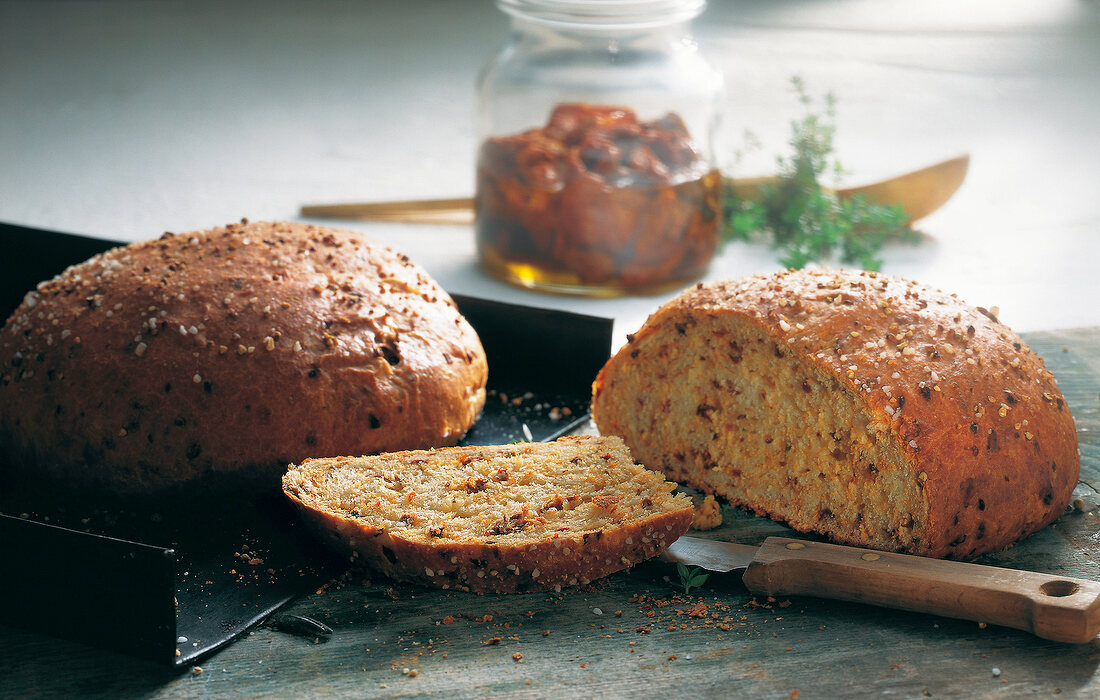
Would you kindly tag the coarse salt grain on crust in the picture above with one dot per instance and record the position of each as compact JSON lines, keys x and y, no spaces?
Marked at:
{"x":508,"y":518}
{"x":898,"y":417}
{"x":232,"y":351}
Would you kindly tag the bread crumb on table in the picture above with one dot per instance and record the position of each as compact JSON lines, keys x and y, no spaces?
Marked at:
{"x":708,"y":514}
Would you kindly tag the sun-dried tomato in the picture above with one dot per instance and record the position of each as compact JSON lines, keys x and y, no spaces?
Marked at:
{"x":597,"y":198}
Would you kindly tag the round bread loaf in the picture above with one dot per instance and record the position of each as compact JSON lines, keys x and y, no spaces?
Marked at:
{"x":236,"y":351}
{"x":869,"y":409}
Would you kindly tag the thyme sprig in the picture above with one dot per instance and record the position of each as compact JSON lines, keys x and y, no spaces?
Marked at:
{"x":805,"y":221}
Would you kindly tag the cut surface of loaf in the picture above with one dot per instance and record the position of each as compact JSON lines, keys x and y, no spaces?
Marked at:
{"x":865,"y":408}
{"x":232,"y":352}
{"x":509,"y":518}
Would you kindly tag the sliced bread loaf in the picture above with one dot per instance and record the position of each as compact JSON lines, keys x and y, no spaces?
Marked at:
{"x":866,"y":408}
{"x":510,"y":518}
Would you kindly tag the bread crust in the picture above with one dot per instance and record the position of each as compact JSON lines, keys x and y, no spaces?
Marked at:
{"x":481,"y":568}
{"x":232,"y":351}
{"x":975,"y":414}
{"x":507,"y":563}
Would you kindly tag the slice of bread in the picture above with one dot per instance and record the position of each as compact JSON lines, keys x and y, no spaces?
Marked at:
{"x":508,"y":518}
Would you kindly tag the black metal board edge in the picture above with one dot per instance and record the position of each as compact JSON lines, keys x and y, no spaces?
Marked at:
{"x":103,"y":591}
{"x":541,"y":366}
{"x":516,"y":340}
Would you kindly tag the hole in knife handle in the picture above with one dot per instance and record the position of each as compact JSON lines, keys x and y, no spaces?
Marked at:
{"x":1059,"y":589}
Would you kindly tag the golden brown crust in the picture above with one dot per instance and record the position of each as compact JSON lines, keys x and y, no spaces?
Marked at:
{"x":233,"y":350}
{"x":975,"y":414}
{"x":568,"y":552}
{"x":479,"y":567}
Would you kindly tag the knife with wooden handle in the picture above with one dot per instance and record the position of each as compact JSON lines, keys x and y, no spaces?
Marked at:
{"x":1058,"y":608}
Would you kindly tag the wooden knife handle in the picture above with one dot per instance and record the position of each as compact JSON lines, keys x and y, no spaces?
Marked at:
{"x":1053,"y":607}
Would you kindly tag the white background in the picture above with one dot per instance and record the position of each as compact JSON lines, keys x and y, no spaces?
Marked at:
{"x":124,"y":119}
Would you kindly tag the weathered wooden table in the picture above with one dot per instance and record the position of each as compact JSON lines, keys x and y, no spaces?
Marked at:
{"x":633,"y":634}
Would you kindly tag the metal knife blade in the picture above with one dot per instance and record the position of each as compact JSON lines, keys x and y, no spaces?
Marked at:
{"x":1059,"y":608}
{"x":712,"y":555}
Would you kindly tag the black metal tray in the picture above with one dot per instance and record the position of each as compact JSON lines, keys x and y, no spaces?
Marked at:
{"x":174,"y":584}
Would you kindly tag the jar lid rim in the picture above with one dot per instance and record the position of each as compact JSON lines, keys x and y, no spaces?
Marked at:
{"x":605,"y":14}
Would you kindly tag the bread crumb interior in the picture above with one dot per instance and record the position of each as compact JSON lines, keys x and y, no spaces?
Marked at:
{"x":507,"y":494}
{"x":743,"y":416}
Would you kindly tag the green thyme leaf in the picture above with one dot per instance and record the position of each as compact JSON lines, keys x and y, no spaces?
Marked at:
{"x":806,"y":222}
{"x":690,"y":578}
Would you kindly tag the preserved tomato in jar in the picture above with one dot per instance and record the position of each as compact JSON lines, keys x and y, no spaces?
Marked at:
{"x":597,"y":201}
{"x":596,"y":130}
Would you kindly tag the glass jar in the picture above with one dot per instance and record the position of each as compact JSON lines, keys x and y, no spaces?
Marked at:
{"x":596,"y":170}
